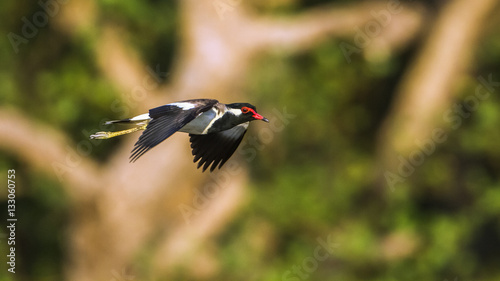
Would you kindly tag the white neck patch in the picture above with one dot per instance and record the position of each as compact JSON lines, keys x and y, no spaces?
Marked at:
{"x":235,"y":111}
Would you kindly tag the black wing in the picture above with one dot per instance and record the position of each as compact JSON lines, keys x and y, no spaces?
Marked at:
{"x":165,"y":121}
{"x":216,"y":148}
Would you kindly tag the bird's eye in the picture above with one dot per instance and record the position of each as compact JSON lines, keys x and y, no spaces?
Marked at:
{"x":245,"y":110}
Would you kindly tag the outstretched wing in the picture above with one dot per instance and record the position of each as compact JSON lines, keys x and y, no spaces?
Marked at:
{"x":216,"y":148}
{"x":166,"y":120}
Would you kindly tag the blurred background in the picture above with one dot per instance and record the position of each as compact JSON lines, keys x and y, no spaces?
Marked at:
{"x":381,"y":160}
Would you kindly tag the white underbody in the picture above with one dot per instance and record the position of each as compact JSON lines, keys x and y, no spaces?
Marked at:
{"x":200,"y":125}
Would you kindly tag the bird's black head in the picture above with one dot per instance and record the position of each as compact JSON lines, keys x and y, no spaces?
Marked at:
{"x":245,"y":112}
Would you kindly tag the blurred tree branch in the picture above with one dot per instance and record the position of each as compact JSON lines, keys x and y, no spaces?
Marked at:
{"x":186,"y":238}
{"x":41,"y":146}
{"x":430,"y":84}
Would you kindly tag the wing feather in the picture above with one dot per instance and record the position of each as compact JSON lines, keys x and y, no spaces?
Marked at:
{"x":166,"y":120}
{"x":213,"y":150}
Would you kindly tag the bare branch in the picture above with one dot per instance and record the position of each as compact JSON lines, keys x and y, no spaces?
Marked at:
{"x":308,"y":28}
{"x":189,"y":236}
{"x":429,"y":85}
{"x":47,"y":150}
{"x":122,"y":65}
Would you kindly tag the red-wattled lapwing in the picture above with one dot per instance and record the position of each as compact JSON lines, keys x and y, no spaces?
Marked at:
{"x":215,"y":129}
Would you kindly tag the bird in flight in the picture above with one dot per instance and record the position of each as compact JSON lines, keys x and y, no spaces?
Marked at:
{"x":215,"y":129}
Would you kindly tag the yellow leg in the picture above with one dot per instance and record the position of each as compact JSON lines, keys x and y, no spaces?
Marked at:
{"x":108,"y":135}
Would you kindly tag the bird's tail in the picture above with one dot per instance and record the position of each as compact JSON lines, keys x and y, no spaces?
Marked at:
{"x":123,"y":121}
{"x":108,"y":135}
